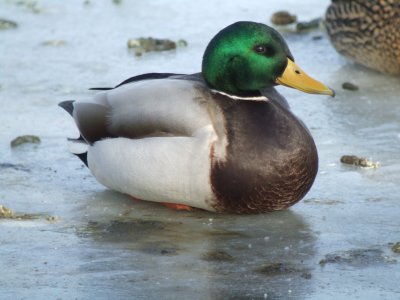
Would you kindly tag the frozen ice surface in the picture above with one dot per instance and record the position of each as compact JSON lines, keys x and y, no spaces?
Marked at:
{"x":335,"y":244}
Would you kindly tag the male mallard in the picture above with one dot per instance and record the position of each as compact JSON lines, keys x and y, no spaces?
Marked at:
{"x":367,"y":31}
{"x":209,"y":140}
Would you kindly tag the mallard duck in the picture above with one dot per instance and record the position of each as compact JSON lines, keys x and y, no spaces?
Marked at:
{"x":367,"y":31}
{"x":221,"y":140}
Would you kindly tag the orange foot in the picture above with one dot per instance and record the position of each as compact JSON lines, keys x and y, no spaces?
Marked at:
{"x":177,"y":206}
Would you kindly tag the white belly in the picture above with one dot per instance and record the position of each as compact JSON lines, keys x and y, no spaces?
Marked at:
{"x":159,"y":169}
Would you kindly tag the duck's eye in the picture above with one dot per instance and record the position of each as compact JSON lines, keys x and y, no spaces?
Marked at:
{"x":262,"y":49}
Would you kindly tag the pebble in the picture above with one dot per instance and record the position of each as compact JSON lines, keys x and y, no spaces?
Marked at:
{"x":283,"y":18}
{"x":358,"y":161}
{"x":142,"y":45}
{"x":349,"y":86}
{"x":396,"y":247}
{"x":310,"y":25}
{"x":7,"y":24}
{"x":24,"y":139}
{"x":6,"y":213}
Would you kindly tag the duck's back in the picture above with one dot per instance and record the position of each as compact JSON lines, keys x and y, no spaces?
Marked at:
{"x":367,"y":31}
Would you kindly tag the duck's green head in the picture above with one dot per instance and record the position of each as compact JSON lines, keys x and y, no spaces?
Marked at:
{"x":246,"y":57}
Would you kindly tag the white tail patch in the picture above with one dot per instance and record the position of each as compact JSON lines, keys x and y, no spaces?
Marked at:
{"x":77,"y":146}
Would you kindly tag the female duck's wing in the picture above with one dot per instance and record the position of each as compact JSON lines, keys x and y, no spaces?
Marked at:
{"x":173,"y":105}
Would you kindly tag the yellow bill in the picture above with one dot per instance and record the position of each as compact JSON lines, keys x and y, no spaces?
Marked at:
{"x":296,"y":78}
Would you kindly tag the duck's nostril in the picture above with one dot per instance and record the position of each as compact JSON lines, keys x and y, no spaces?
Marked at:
{"x":297,"y":72}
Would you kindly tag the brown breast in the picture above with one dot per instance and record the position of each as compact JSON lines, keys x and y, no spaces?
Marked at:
{"x":271,"y":160}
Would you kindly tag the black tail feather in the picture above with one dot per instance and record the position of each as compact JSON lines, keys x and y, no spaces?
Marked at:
{"x":100,"y":89}
{"x":68,"y":106}
{"x":83,"y":157}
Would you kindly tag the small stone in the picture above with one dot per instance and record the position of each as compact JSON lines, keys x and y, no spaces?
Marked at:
{"x":356,"y":257}
{"x":349,"y":86}
{"x":6,"y":213}
{"x":396,"y":247}
{"x":7,"y":24}
{"x":307,"y":26}
{"x":142,"y":45}
{"x":283,"y":18}
{"x":24,"y":139}
{"x":358,"y":161}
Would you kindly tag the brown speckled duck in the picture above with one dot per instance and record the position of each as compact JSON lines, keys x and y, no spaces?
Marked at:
{"x":367,"y":31}
{"x":222,"y":140}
